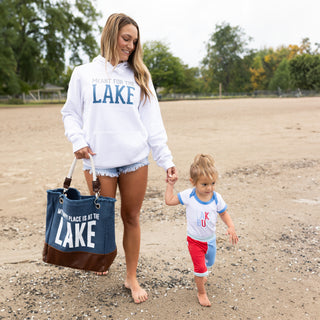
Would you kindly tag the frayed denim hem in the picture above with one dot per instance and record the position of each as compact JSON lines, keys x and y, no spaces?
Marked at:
{"x":134,"y":167}
{"x":102,"y":173}
{"x":115,"y":172}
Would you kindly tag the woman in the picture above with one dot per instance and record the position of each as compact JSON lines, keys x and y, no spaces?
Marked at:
{"x":113,"y":114}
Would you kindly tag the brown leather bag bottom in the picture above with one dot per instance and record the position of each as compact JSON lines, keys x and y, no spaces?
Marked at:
{"x":78,"y":260}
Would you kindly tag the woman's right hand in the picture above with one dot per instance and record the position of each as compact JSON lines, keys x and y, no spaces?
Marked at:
{"x":83,"y":153}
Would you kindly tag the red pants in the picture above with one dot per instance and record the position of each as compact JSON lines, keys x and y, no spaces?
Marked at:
{"x":203,"y":255}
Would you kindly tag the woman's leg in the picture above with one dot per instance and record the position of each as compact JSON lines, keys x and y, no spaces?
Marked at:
{"x":132,"y":188}
{"x":108,"y":185}
{"x":108,"y":189}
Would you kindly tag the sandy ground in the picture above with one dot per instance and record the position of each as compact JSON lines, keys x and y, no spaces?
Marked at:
{"x":268,"y":155}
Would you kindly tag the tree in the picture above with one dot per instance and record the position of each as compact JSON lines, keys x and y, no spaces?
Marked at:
{"x":166,"y":70}
{"x":192,"y":83}
{"x":264,"y":66}
{"x":305,"y":46}
{"x":305,"y":67}
{"x":224,"y":62}
{"x":281,"y":78}
{"x":270,"y":68}
{"x":305,"y":71}
{"x":9,"y":82}
{"x":35,"y":36}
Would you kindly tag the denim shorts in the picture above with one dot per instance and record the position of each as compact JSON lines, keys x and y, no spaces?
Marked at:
{"x":115,"y":172}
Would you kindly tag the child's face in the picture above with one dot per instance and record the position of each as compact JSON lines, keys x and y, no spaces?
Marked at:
{"x":204,"y":187}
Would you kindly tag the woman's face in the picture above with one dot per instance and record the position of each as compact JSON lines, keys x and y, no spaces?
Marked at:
{"x":127,"y":40}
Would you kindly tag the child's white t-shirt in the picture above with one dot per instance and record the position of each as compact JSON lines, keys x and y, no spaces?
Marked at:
{"x":201,"y":216}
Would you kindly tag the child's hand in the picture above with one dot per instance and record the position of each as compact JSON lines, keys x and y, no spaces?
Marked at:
{"x":172,"y":180}
{"x":172,"y":175}
{"x":171,"y":199}
{"x":233,"y":236}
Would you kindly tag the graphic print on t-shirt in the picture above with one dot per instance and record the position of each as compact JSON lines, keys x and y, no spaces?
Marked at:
{"x":202,"y":220}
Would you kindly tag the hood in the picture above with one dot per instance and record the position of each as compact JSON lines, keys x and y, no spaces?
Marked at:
{"x":121,"y":67}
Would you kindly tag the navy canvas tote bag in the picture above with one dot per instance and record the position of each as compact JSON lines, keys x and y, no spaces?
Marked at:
{"x":80,"y":231}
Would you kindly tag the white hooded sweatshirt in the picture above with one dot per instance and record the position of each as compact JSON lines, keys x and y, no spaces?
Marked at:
{"x":105,"y":112}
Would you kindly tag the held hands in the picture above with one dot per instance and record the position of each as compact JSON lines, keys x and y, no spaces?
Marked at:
{"x":171,"y":199}
{"x":83,"y":153}
{"x":233,"y":236}
{"x":172,"y":176}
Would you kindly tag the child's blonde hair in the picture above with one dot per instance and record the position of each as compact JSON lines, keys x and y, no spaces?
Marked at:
{"x":203,"y":165}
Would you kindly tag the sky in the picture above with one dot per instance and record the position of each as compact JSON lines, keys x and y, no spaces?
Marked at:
{"x":185,"y":26}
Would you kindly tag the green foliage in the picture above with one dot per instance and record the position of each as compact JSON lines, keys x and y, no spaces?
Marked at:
{"x":224,"y":61}
{"x":65,"y":78}
{"x":281,"y":78}
{"x":285,"y":68}
{"x":192,"y":83}
{"x":265,"y":67}
{"x":34,"y":38}
{"x":9,"y":82}
{"x":168,"y":72}
{"x":305,"y":71}
{"x":36,"y":35}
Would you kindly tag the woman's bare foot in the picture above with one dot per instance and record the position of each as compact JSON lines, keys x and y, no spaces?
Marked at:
{"x":138,"y":294}
{"x":204,"y":300}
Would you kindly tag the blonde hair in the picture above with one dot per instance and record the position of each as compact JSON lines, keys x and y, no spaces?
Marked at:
{"x":109,"y":40}
{"x":203,"y":165}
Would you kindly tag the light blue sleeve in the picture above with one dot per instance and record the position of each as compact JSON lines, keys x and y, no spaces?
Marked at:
{"x":221,"y":205}
{"x":180,"y":199}
{"x":184,"y":196}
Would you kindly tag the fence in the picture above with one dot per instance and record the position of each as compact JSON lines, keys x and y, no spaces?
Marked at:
{"x":61,"y":97}
{"x":40,"y":97}
{"x":256,"y":94}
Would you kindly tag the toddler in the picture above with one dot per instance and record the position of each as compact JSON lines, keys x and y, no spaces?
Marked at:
{"x":203,"y":205}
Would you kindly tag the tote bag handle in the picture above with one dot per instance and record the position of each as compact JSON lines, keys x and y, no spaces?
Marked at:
{"x":95,"y":181}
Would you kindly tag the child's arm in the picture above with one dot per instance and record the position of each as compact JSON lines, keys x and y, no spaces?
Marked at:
{"x":231,"y":230}
{"x":171,"y":199}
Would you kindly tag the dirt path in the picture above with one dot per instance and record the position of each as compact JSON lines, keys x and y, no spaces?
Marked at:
{"x":268,"y":155}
